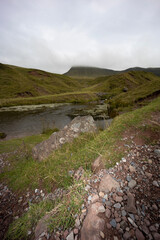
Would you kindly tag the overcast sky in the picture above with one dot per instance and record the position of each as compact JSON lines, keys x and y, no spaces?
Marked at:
{"x":54,"y":35}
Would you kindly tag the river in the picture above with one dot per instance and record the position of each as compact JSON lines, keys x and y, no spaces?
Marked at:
{"x":20,"y":121}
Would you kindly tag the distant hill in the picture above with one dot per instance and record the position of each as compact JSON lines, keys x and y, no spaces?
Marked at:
{"x":121,"y":88}
{"x":156,"y":71}
{"x":93,"y":72}
{"x":24,"y":82}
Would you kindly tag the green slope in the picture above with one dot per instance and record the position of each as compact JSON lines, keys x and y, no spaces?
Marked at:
{"x":20,"y":86}
{"x":93,"y":72}
{"x":23,"y":82}
{"x":126,"y":89}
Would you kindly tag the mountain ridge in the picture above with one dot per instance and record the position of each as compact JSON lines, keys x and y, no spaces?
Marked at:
{"x":88,"y":71}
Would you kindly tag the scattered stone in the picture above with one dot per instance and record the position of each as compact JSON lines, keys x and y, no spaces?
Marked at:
{"x":127,"y":235}
{"x":152,"y":228}
{"x":118,"y":199}
{"x":157,"y":151}
{"x":132,"y":169}
{"x":97,"y":165}
{"x":154,"y":206}
{"x":108,"y":183}
{"x":108,"y":213}
{"x":101,"y":234}
{"x":101,"y":209}
{"x":123,"y":224}
{"x":95,"y":198}
{"x":145,"y":229}
{"x":101,"y":194}
{"x":77,"y":223}
{"x":106,"y":197}
{"x":128,"y":178}
{"x":124,"y":213}
{"x":132,"y":222}
{"x":113,"y":223}
{"x":70,"y":236}
{"x":115,"y":238}
{"x":117,"y":205}
{"x":132,"y":184}
{"x":130,"y":203}
{"x":155,"y":183}
{"x":75,"y":231}
{"x":139,"y":235}
{"x":149,"y":175}
{"x":156,"y":236}
{"x":109,"y":226}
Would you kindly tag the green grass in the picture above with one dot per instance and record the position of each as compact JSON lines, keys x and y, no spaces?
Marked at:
{"x":75,"y":97}
{"x":20,"y":227}
{"x":61,"y":213}
{"x":23,"y":82}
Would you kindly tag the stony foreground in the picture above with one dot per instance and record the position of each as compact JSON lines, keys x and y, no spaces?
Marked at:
{"x":132,"y":209}
{"x":122,"y":202}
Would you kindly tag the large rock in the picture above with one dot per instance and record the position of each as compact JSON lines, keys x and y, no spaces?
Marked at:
{"x":108,"y":183}
{"x":92,"y":225}
{"x":67,"y":134}
{"x":97,"y":165}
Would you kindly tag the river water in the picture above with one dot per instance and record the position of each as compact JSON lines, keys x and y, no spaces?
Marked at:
{"x":28,"y":120}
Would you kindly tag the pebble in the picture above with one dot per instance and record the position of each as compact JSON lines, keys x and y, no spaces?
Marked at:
{"x":101,"y":234}
{"x":124,"y":213}
{"x":132,"y":222}
{"x":95,"y":198}
{"x":70,"y":236}
{"x":101,"y":209}
{"x":156,"y":236}
{"x":118,"y":199}
{"x":115,"y":238}
{"x":113,"y":223}
{"x":128,"y":178}
{"x":109,"y":226}
{"x":132,"y":169}
{"x":89,"y":198}
{"x":155,"y":183}
{"x":132,"y":184}
{"x":127,"y":235}
{"x":101,"y":194}
{"x":139,"y":235}
{"x":117,"y":205}
{"x":105,"y":196}
{"x":108,"y":213}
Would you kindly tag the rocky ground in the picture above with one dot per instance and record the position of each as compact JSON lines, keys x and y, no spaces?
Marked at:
{"x":122,"y":202}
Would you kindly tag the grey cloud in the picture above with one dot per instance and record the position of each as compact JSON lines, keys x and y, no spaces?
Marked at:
{"x":55,"y":34}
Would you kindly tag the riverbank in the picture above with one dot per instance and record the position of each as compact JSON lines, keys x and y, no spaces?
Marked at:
{"x":56,"y":171}
{"x":74,"y":97}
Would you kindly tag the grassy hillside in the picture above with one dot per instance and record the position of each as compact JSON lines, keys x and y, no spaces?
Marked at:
{"x":22,"y":82}
{"x":126,"y":89}
{"x":21,"y":86}
{"x":93,"y":72}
